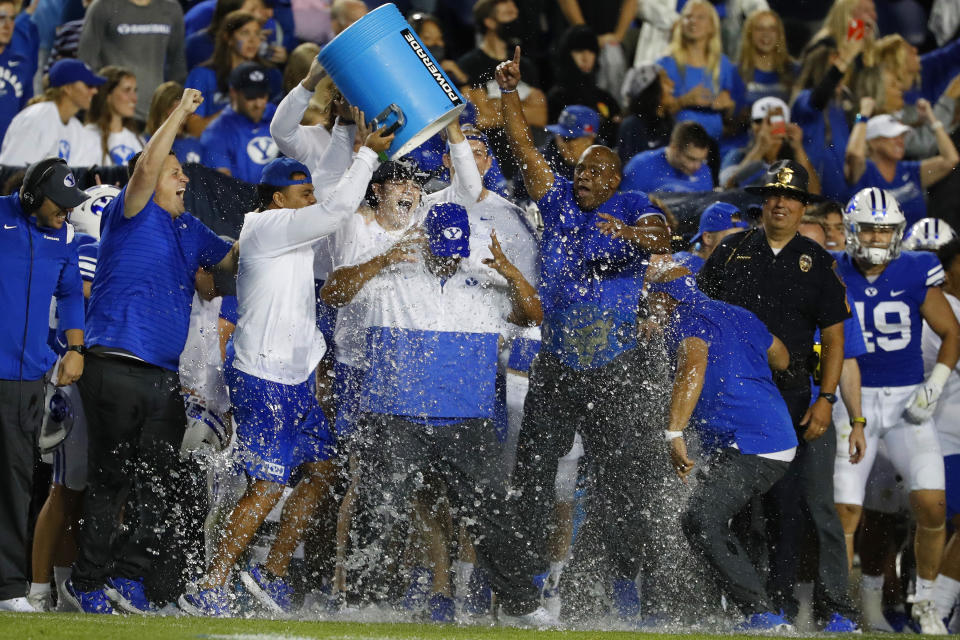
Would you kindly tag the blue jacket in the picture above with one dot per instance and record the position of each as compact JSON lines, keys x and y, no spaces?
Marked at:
{"x":38,"y":264}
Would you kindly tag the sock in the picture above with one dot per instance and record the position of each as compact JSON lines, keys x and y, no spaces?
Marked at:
{"x":945,"y":592}
{"x":37,"y":588}
{"x":461,"y":578}
{"x":871,"y":583}
{"x":804,"y":592}
{"x":553,"y":578}
{"x":924,"y":590}
{"x":61,"y":575}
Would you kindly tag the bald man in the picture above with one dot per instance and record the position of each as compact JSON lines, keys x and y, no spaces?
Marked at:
{"x":344,"y":13}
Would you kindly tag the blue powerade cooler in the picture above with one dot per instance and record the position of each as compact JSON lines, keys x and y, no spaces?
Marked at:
{"x":380,"y":66}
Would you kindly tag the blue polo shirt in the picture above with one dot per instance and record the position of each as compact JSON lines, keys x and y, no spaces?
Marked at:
{"x":739,"y":403}
{"x":234,"y":142}
{"x":650,"y":172}
{"x":589,"y":282}
{"x":906,"y":187}
{"x":38,"y":264}
{"x":143,"y":287}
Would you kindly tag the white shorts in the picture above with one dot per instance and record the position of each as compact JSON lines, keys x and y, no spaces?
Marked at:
{"x":886,"y":490}
{"x":913,"y":450}
{"x":69,"y":459}
{"x":567,"y":471}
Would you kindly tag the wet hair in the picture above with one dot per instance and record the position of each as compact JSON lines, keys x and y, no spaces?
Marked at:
{"x":948,"y":253}
{"x":689,"y":133}
{"x":99,"y":113}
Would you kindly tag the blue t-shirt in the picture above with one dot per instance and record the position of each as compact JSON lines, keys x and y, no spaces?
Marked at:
{"x":767,"y":83}
{"x":198,"y":48}
{"x":204,"y":80}
{"x":690,"y":77}
{"x":234,"y":142}
{"x":825,"y":136}
{"x":16,"y":86}
{"x":650,"y":172}
{"x":689,"y":260}
{"x":143,"y":288}
{"x":589,"y":282}
{"x":906,"y":187}
{"x":188,"y":149}
{"x":739,"y":403}
{"x":198,"y":17}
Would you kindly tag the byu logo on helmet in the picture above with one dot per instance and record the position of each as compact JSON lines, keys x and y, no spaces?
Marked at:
{"x":453,"y":233}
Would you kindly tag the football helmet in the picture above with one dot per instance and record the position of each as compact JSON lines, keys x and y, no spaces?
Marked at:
{"x":873,"y":207}
{"x":928,"y":234}
{"x":86,"y":217}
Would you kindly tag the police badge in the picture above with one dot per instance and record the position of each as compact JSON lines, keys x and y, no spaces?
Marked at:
{"x":806,"y":263}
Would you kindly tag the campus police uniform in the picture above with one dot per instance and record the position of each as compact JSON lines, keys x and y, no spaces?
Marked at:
{"x":793,"y":292}
{"x":39,"y":264}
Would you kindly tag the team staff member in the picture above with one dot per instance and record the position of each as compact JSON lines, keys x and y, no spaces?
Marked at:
{"x":138,"y":318}
{"x":40,"y":262}
{"x":791,"y":284}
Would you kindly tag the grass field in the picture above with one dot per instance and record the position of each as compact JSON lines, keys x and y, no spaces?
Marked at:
{"x":54,"y":626}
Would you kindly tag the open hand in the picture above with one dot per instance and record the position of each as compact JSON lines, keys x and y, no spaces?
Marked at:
{"x":499,"y":262}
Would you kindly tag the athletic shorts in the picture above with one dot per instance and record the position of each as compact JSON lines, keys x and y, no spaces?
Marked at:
{"x":69,"y":459}
{"x":279,"y":426}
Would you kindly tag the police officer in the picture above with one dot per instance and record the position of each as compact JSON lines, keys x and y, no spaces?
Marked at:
{"x":791,"y":284}
{"x":39,"y":262}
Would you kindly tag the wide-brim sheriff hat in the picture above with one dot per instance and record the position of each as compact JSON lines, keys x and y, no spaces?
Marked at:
{"x":786,"y":177}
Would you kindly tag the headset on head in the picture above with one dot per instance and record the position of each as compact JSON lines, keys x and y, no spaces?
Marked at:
{"x":30,"y":194}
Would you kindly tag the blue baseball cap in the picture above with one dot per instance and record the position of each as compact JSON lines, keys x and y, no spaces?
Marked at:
{"x":70,"y":70}
{"x":719,"y":217}
{"x":683,"y":289}
{"x":280,"y":172}
{"x":448,"y":230}
{"x":576,"y":121}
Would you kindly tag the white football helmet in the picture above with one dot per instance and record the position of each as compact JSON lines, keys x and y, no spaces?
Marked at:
{"x":928,"y":234}
{"x":86,"y":217}
{"x":875,"y":207}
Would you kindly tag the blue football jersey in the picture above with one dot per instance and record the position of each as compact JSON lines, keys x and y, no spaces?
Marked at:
{"x":889,"y":310}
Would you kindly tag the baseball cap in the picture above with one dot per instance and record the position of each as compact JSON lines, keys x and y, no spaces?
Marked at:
{"x":71,"y":70}
{"x":763,"y":106}
{"x":279,"y":173}
{"x":403,"y":169}
{"x":250,"y":79}
{"x":576,"y":121}
{"x":719,"y":217}
{"x":683,"y":289}
{"x":448,"y":230}
{"x":59,"y":185}
{"x":885,"y":126}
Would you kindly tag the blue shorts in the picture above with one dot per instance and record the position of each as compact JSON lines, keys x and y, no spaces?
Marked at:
{"x":951,"y":469}
{"x":279,"y":426}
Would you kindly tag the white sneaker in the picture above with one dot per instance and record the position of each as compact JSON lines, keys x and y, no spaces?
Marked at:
{"x":926,"y":615}
{"x":19,"y":605}
{"x":41,"y":601}
{"x":539,"y":618}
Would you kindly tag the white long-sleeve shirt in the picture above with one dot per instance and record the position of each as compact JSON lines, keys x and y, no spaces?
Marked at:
{"x":277,"y":337}
{"x":37,"y":132}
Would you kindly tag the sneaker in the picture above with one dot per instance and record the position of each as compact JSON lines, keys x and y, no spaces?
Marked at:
{"x":95,"y":601}
{"x":129,"y":596}
{"x":41,"y":601}
{"x":841,"y":624}
{"x":479,"y":594}
{"x":899,"y":622}
{"x":441,"y":608}
{"x":539,"y":618}
{"x":626,"y":600}
{"x":766,"y":621}
{"x":275,"y":594}
{"x":17,"y":605}
{"x":418,"y":592}
{"x":205,"y":602}
{"x":925,"y":614}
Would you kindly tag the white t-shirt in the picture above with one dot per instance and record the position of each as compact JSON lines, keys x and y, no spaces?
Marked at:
{"x":947,"y":414}
{"x":121,"y":146}
{"x":37,"y":133}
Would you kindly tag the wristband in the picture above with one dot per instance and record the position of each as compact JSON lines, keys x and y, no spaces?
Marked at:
{"x":936,"y":124}
{"x":858,"y":420}
{"x":508,"y":90}
{"x":79,"y":348}
{"x":670,"y":434}
{"x":860,"y":118}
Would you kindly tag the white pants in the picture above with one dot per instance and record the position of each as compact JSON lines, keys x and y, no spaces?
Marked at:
{"x":913,"y":450}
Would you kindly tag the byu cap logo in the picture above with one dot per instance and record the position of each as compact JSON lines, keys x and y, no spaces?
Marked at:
{"x":256,"y":75}
{"x":453,"y":233}
{"x":68,"y":180}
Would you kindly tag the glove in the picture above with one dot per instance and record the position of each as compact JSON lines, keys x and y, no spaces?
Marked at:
{"x":205,"y":429}
{"x":924,"y":399}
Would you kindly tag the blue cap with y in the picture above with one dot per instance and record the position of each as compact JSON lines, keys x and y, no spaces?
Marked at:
{"x":448,"y":230}
{"x":280,"y":172}
{"x":719,"y":217}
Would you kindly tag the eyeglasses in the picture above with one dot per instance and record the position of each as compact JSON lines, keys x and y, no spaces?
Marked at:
{"x":6,"y":17}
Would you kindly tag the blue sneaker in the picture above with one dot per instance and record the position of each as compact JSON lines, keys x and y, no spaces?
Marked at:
{"x":129,"y":595}
{"x":441,"y":608}
{"x":479,"y":594}
{"x":626,"y":600}
{"x":95,"y":601}
{"x":766,"y":621}
{"x":900,"y":621}
{"x":212,"y":603}
{"x":275,"y":594}
{"x":840,"y":624}
{"x":421,"y":584}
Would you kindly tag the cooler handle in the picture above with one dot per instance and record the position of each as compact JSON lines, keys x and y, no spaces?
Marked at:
{"x":392,"y":109}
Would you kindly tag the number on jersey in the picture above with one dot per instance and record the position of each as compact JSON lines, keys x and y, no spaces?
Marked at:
{"x":891,"y":323}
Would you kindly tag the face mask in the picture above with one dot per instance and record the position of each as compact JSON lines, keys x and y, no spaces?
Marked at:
{"x":509,"y":30}
{"x":439,"y":52}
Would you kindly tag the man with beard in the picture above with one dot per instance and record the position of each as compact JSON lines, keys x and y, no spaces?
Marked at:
{"x":589,"y":373}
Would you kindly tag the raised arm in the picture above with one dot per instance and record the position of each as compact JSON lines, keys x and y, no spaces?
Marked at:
{"x":526,"y":308}
{"x":855,"y":161}
{"x":143,"y":182}
{"x":465,"y":181}
{"x":345,"y":283}
{"x":537,"y":175}
{"x":285,"y":127}
{"x":934,"y":169}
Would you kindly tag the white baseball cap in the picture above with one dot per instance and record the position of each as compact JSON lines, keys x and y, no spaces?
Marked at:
{"x":885,"y":126}
{"x":763,"y":106}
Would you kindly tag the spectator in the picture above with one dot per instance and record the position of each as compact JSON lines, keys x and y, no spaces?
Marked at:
{"x":706,"y":84}
{"x":110,"y":117}
{"x":925,"y":76}
{"x":765,"y":64}
{"x":344,"y":13}
{"x":574,"y":132}
{"x":165,"y":100}
{"x":238,"y":41}
{"x":431,"y":34}
{"x":830,"y":215}
{"x":320,"y":109}
{"x":146,"y":35}
{"x":837,"y":28}
{"x":16,"y":79}
{"x":680,"y":166}
{"x":717,"y":221}
{"x":199,"y":44}
{"x":38,"y":211}
{"x":50,"y":127}
{"x":575,"y":81}
{"x":238,"y":141}
{"x":875,"y":158}
{"x":773,"y":137}
{"x":649,"y":123}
